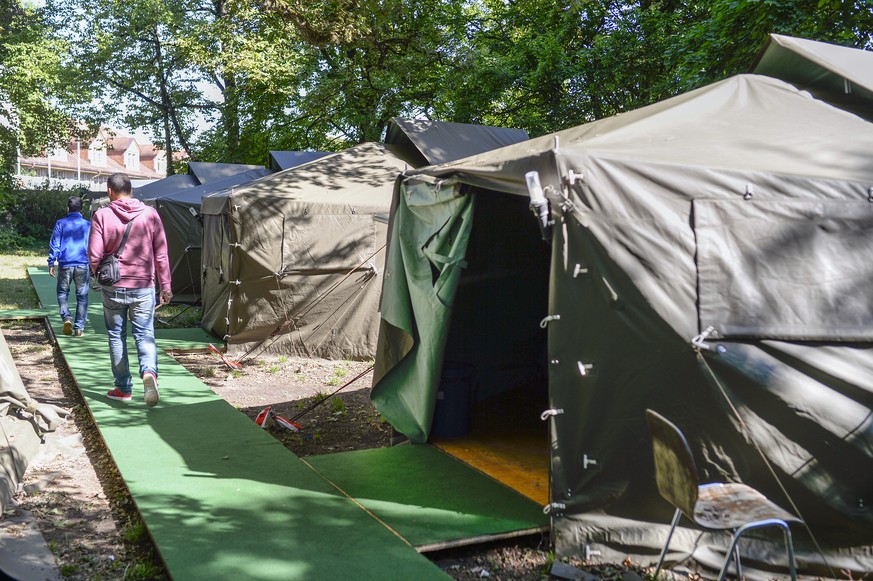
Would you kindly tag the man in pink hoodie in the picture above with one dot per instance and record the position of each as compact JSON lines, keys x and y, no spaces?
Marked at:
{"x":133,"y":297}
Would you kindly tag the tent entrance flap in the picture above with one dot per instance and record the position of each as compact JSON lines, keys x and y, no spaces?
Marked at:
{"x":495,"y":332}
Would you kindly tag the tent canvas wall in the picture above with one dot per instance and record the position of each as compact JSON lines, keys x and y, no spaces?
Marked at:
{"x":180,"y":213}
{"x":293,"y":261}
{"x":839,"y":75}
{"x":745,"y":206}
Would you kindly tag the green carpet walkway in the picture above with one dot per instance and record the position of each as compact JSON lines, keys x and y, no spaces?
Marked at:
{"x":221,"y":498}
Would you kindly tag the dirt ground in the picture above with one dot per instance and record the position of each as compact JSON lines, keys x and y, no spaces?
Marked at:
{"x":84,"y":511}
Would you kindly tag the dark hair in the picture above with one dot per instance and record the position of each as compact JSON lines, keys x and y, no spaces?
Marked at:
{"x":74,"y":204}
{"x":120,"y":184}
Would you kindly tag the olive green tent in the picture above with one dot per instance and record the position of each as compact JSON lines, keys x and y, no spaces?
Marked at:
{"x":709,"y":258}
{"x":292,"y":261}
{"x":839,"y":75}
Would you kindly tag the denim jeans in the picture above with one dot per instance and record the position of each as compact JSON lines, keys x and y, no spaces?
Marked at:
{"x":81,"y":277}
{"x":137,"y":304}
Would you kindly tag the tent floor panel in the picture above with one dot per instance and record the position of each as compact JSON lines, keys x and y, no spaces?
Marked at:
{"x":221,"y":498}
{"x":429,"y":498}
{"x":507,"y":441}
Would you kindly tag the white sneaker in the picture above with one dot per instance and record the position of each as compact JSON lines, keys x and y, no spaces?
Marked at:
{"x":150,"y":385}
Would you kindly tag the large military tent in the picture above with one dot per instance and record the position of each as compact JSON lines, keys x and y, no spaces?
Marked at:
{"x":292,"y":262}
{"x":180,"y":213}
{"x":709,"y":258}
{"x":839,"y":75}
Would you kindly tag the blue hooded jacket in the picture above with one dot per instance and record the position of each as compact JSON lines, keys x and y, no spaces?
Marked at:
{"x":69,"y":242}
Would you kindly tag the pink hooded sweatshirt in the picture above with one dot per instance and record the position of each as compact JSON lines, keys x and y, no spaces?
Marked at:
{"x":145,"y":251}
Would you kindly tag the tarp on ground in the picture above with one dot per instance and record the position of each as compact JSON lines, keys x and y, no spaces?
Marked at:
{"x":280,"y":160}
{"x":24,"y":423}
{"x":839,"y":75}
{"x":741,"y":209}
{"x":424,"y":142}
{"x":180,"y":213}
{"x":293,"y":261}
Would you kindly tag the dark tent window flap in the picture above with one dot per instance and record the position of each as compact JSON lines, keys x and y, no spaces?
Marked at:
{"x":791,"y":270}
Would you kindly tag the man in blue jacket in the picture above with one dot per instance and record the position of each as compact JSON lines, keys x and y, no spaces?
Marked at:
{"x":69,"y":247}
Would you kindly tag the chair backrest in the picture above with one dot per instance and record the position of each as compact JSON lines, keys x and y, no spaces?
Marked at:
{"x":675,"y":471}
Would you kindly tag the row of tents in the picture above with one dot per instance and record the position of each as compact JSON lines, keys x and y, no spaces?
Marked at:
{"x":707,"y":257}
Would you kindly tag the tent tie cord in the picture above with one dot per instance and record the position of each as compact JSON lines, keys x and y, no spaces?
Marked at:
{"x":550,"y":413}
{"x":330,"y":395}
{"x":699,"y":341}
{"x":554,"y":507}
{"x":545,"y":322}
{"x":345,"y":306}
{"x":747,"y":433}
{"x":315,"y":302}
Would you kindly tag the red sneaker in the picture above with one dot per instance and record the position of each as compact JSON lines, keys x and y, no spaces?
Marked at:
{"x":119,"y":395}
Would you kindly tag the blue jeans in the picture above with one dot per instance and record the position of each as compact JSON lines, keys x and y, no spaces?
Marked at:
{"x":81,"y":276}
{"x":138,"y":304}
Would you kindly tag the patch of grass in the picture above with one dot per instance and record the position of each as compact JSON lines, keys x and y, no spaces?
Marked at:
{"x":282,"y":359}
{"x":68,"y":570}
{"x":300,"y":377}
{"x":235,"y":373}
{"x":16,"y":291}
{"x":142,"y":571}
{"x":274,"y":369}
{"x":337,"y":406}
{"x":135,"y":531}
{"x":174,"y":316}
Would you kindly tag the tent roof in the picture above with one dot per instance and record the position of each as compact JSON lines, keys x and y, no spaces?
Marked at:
{"x":840,"y":75}
{"x":280,"y":160}
{"x":744,"y":123}
{"x":361,"y":175}
{"x":171,"y":183}
{"x":194,"y":195}
{"x":424,"y":142}
{"x":206,"y":172}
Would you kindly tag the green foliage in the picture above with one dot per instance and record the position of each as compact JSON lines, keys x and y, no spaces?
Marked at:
{"x":31,"y":214}
{"x":32,"y":92}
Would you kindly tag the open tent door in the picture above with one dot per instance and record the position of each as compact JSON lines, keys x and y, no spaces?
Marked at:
{"x":496,"y":351}
{"x":468,"y":287}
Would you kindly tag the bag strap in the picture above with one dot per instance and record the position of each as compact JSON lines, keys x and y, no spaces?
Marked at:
{"x":117,"y":253}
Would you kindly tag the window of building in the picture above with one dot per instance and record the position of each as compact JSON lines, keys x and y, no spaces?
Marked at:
{"x":131,"y":159}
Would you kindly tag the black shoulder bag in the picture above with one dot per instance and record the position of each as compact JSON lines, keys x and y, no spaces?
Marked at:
{"x":107,"y":272}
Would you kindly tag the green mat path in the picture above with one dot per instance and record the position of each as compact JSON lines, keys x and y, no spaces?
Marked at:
{"x":223,"y":499}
